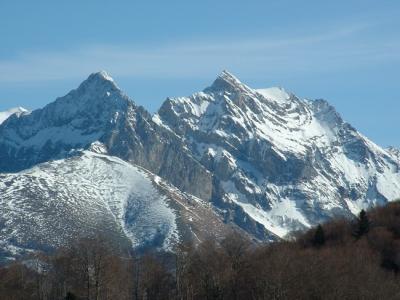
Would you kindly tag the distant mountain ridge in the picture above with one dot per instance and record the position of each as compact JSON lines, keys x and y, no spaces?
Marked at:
{"x":261,"y":161}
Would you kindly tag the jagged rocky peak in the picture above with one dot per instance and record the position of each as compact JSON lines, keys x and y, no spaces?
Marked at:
{"x":95,"y":103}
{"x":224,"y":97}
{"x":279,"y":160}
{"x":73,"y":121}
{"x":99,"y":80}
{"x":100,"y":76}
{"x":97,"y":87}
{"x":97,"y":98}
{"x":229,"y":85}
{"x":226,"y":82}
{"x":98,"y":111}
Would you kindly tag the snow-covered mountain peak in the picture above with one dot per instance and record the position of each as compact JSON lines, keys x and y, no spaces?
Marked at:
{"x":97,"y":111}
{"x":73,"y":121}
{"x":226,"y":82}
{"x":286,"y":162}
{"x":232,"y":110}
{"x":96,"y":97}
{"x":4,"y":115}
{"x":99,"y":83}
{"x":229,"y":77}
{"x":100,"y":76}
{"x":104,"y":75}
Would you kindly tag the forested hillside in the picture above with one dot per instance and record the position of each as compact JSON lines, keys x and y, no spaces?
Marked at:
{"x":342,"y":259}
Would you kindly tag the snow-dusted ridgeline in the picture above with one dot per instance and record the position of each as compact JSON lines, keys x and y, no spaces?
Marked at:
{"x":259,"y":161}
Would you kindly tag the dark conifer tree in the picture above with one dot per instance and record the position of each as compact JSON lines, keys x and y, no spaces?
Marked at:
{"x":362,"y":224}
{"x":319,"y":237}
{"x":70,"y":296}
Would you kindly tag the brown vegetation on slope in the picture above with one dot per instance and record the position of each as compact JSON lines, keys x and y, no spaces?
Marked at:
{"x":342,"y":259}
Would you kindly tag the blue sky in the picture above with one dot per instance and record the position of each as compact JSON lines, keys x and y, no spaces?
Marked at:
{"x":347,"y":52}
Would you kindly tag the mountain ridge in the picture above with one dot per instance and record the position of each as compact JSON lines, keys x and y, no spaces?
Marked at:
{"x":96,"y":111}
{"x":267,"y":162}
{"x":264,"y":148}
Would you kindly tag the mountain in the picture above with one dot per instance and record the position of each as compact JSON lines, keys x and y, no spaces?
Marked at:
{"x":55,"y":201}
{"x":262,"y":162}
{"x":90,"y":193}
{"x":87,"y":164}
{"x":4,"y":115}
{"x":285,"y":162}
{"x":99,"y":111}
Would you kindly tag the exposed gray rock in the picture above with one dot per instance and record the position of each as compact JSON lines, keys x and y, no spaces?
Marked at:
{"x":284,"y":162}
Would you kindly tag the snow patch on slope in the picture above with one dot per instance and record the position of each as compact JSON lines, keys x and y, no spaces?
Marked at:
{"x":275,"y":93}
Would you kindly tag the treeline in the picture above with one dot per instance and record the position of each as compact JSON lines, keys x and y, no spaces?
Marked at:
{"x":342,"y":259}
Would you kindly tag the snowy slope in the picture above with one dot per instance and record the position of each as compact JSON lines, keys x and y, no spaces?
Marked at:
{"x":52,"y":202}
{"x":4,"y":115}
{"x":288,"y":163}
{"x":91,"y":193}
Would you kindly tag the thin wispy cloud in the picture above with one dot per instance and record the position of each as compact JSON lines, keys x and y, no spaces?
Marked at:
{"x":328,"y":50}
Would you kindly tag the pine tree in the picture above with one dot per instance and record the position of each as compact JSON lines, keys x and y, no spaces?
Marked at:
{"x":70,"y":296}
{"x":319,"y":237}
{"x":362,"y":224}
